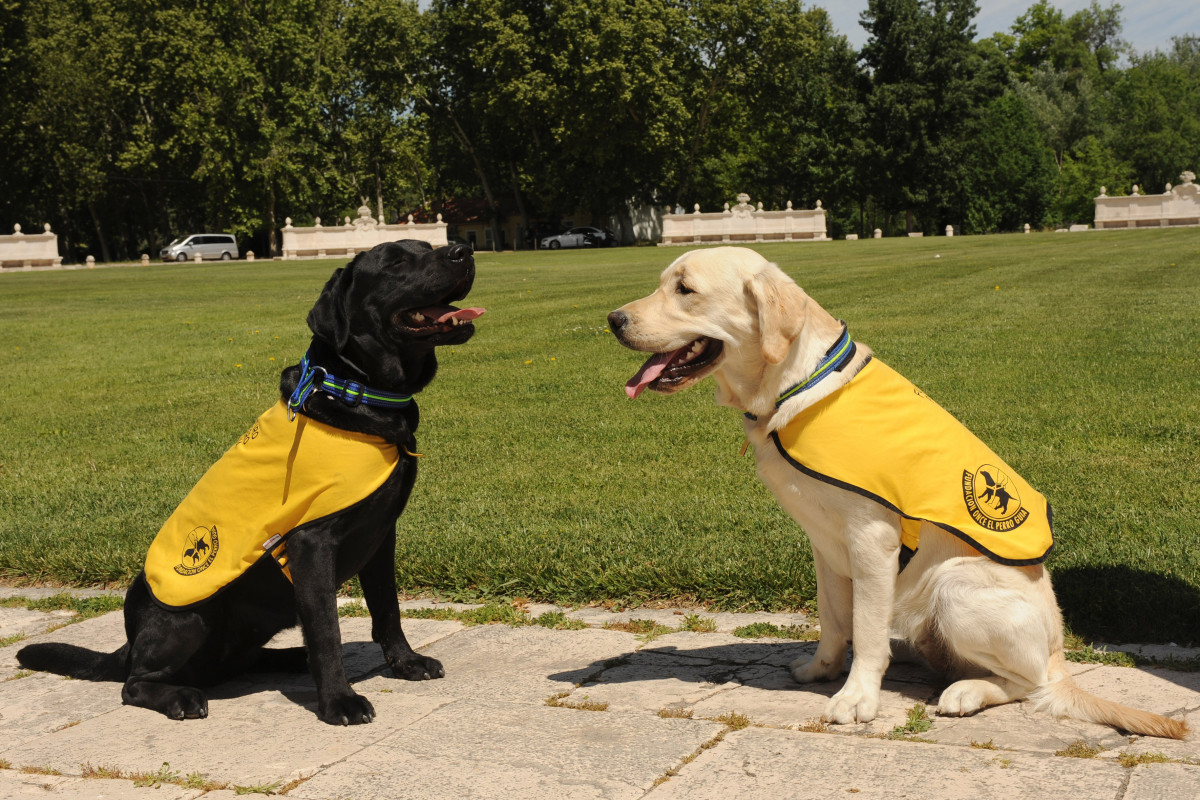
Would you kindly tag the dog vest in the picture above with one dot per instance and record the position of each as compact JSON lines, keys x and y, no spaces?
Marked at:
{"x":881,"y":437}
{"x":279,"y":475}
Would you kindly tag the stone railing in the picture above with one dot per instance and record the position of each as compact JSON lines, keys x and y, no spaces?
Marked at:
{"x":354,"y":237}
{"x":29,"y":250}
{"x":1179,"y":205}
{"x":744,"y":223}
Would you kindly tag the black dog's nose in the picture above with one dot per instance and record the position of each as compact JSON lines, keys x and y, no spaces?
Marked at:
{"x":617,"y":320}
{"x":457,"y":252}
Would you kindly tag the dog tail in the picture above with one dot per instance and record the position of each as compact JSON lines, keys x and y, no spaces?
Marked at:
{"x":1063,"y":698}
{"x":76,"y":662}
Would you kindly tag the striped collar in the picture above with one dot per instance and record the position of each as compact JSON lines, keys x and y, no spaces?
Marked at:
{"x":352,"y":393}
{"x":835,"y":360}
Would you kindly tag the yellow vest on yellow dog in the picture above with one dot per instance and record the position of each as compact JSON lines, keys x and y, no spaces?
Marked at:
{"x":279,"y":475}
{"x":881,"y":437}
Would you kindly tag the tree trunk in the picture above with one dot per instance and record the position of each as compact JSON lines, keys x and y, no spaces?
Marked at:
{"x":272,"y":243}
{"x":99,"y":233}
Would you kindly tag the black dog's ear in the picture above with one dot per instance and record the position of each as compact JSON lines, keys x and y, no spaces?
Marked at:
{"x":330,"y":316}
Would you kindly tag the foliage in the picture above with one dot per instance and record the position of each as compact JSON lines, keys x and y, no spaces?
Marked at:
{"x":124,"y":123}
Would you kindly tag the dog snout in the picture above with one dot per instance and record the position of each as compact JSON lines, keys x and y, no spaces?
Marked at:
{"x":617,"y":320}
{"x":456,"y":253}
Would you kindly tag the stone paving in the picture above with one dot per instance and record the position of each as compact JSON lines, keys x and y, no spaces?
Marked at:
{"x":532,"y":712}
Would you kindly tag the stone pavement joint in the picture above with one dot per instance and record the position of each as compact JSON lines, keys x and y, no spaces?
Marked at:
{"x":683,"y":714}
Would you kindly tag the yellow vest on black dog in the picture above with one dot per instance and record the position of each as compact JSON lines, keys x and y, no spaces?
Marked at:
{"x":281,"y":474}
{"x":881,"y":437}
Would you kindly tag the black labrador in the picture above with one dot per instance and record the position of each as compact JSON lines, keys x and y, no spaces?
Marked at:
{"x":375,"y":327}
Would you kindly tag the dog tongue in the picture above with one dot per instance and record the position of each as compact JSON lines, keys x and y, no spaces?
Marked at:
{"x":648,"y":373}
{"x":447,"y":313}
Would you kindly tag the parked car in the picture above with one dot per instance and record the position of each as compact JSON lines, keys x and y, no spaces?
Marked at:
{"x":580,"y":237}
{"x":210,"y":246}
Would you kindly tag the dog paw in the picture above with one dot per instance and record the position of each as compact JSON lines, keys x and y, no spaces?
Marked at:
{"x":418,"y":668}
{"x":351,"y":709}
{"x":815,"y":669}
{"x":961,"y":699}
{"x":186,"y":703}
{"x":851,"y":705}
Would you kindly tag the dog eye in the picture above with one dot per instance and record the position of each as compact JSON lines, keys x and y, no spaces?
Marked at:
{"x":681,"y":289}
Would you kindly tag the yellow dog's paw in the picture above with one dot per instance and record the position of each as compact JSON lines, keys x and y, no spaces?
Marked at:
{"x":851,"y":704}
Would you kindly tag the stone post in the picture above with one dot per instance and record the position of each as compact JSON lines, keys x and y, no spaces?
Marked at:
{"x":1027,"y":227}
{"x":249,"y":255}
{"x":878,"y":234}
{"x":91,"y":262}
{"x":949,"y":230}
{"x":145,"y":259}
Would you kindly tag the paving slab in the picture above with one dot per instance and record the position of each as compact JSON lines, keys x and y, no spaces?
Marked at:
{"x":525,"y":665}
{"x":1163,"y":782}
{"x":486,"y":729}
{"x":479,"y":749}
{"x":759,"y":762}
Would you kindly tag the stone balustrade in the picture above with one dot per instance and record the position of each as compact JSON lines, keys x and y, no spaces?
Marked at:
{"x":29,"y":250}
{"x":356,"y":236}
{"x":744,"y":223}
{"x":1179,"y":205}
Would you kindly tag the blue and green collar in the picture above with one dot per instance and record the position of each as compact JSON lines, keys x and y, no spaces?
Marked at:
{"x":835,"y":360}
{"x":350,"y":392}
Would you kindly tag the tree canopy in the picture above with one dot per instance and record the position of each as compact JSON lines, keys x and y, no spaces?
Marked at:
{"x":125,"y":122}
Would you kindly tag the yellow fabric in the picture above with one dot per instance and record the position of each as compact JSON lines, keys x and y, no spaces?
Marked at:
{"x":881,"y":437}
{"x":279,"y":475}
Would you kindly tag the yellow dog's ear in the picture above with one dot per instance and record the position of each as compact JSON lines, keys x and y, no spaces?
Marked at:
{"x":781,"y":312}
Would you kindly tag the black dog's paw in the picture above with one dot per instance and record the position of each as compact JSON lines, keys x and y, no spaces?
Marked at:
{"x":186,"y":703}
{"x":351,"y":709}
{"x":418,"y":668}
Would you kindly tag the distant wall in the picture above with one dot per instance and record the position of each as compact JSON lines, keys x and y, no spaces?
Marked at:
{"x":745,"y":223}
{"x":354,"y":237}
{"x":28,"y":250}
{"x":1179,"y":205}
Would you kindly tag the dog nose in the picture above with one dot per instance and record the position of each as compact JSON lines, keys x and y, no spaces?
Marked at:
{"x":617,"y":320}
{"x":457,"y":252}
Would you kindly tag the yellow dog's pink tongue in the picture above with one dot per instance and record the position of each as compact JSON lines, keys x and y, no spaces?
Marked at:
{"x":649,"y":372}
{"x":447,"y":313}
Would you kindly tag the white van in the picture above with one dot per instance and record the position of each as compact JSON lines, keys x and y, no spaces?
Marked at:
{"x":209,"y":245}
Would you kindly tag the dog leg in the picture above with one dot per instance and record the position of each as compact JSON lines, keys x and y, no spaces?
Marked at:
{"x":995,"y":627}
{"x":873,"y":560}
{"x":378,"y":579}
{"x":835,"y":602}
{"x":312,"y":561}
{"x":965,"y":697}
{"x":160,"y":652}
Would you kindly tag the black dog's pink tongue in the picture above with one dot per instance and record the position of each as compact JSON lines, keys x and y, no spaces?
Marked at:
{"x":447,"y":313}
{"x":649,"y":372}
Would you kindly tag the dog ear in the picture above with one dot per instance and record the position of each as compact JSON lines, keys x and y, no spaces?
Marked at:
{"x":781,"y":311}
{"x":330,"y":315}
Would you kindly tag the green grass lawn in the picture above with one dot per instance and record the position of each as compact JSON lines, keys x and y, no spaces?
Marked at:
{"x":1072,"y":356}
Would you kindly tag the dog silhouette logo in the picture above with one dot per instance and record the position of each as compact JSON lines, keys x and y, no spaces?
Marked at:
{"x":200,"y":548}
{"x":992,"y":498}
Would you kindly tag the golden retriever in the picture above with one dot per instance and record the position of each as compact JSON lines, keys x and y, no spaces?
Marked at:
{"x":995,"y":627}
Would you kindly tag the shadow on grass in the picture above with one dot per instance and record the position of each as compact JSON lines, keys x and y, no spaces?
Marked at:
{"x":1119,"y":604}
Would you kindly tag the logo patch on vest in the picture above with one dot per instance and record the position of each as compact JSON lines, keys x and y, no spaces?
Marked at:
{"x":992,"y":499}
{"x":199,"y":551}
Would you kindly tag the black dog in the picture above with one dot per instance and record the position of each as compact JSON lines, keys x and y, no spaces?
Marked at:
{"x":375,"y":326}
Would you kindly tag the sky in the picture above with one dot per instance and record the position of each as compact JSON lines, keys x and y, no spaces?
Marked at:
{"x":1148,"y":24}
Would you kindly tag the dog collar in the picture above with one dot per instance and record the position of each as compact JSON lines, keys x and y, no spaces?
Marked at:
{"x":835,"y":360}
{"x":352,"y":393}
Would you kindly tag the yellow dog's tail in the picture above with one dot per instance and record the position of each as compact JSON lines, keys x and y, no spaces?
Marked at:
{"x":1063,"y":698}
